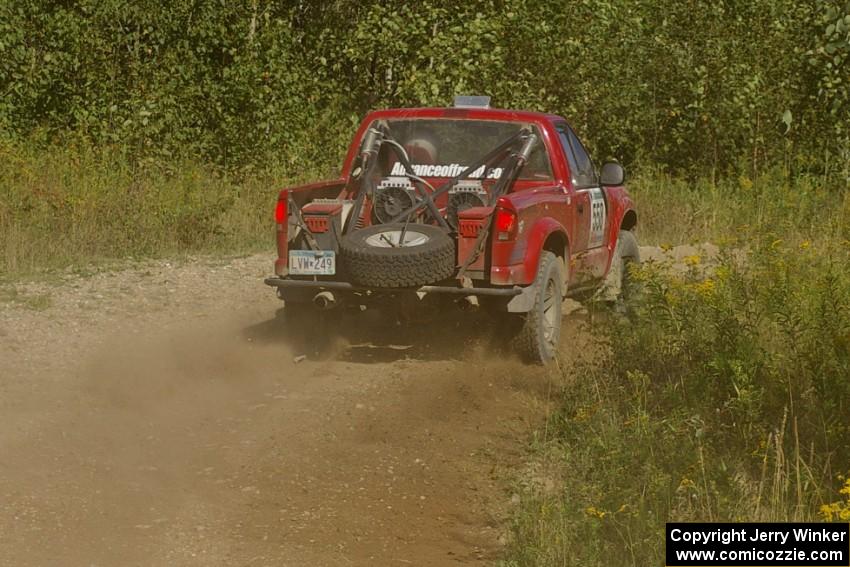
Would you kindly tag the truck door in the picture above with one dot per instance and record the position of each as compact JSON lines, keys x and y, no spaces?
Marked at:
{"x":590,"y":210}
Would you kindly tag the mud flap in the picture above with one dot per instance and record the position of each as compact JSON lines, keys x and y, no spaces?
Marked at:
{"x":523,"y":302}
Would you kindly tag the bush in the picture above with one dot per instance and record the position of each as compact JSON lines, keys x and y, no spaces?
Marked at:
{"x":723,"y":397}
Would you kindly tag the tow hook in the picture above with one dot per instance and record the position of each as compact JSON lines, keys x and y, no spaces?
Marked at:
{"x":325,"y":300}
{"x":468,"y":303}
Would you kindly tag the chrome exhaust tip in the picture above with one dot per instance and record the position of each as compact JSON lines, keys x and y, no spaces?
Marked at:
{"x":324,"y":300}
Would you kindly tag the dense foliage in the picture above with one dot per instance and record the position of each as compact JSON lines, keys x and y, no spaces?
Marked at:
{"x":702,"y":87}
{"x":723,"y":396}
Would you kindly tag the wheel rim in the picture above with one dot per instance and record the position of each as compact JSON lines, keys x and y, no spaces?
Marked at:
{"x":551,"y":312}
{"x":391,"y":238}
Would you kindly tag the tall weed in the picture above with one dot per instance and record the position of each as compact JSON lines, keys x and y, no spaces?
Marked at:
{"x":723,"y":396}
{"x":74,"y":205}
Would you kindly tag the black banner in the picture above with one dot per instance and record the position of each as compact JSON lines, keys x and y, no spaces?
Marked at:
{"x":758,"y":545}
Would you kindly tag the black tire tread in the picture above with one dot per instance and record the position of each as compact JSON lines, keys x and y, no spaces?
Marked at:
{"x":401,"y":268}
{"x":616,"y":286}
{"x":630,"y":247}
{"x":527,"y":341}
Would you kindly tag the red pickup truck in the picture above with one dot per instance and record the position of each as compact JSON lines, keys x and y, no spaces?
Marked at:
{"x":499,"y":208}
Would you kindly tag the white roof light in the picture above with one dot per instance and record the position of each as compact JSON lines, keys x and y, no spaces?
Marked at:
{"x":465,"y":101}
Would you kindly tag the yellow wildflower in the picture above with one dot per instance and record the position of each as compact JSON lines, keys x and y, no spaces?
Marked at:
{"x":583,"y":414}
{"x":838,"y":511}
{"x":692,"y":260}
{"x":804,"y":245}
{"x":637,"y":273}
{"x":705,"y":288}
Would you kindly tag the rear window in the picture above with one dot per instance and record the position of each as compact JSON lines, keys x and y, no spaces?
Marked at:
{"x":445,"y":147}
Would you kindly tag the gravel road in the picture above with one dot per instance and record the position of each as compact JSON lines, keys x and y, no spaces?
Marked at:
{"x":155,"y":415}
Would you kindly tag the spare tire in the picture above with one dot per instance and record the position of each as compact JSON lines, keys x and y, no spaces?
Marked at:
{"x":371,"y":256}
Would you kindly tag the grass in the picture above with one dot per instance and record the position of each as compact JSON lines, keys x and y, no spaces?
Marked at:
{"x":675,"y":210}
{"x":75,"y":206}
{"x":723,"y":396}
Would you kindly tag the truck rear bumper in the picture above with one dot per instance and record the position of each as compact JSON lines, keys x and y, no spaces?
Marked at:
{"x":317,"y":285}
{"x":514,"y":299}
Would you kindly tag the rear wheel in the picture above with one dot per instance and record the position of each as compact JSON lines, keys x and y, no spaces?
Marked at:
{"x":540,"y":329}
{"x":311,"y":330}
{"x":299,"y":313}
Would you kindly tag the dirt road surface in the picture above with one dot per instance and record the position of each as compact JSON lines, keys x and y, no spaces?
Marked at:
{"x":155,"y":415}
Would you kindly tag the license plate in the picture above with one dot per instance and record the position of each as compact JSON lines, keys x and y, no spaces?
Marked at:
{"x":312,"y":262}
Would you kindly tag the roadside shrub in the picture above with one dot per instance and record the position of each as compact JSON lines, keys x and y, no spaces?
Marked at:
{"x":723,"y":397}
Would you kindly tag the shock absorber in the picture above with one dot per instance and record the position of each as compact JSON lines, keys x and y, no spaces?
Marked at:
{"x":368,"y":160}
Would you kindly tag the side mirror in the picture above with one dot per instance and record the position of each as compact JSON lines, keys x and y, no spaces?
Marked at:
{"x":612,"y":174}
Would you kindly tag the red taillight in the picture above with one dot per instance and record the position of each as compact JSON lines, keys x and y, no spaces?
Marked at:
{"x":506,"y":224}
{"x":281,"y":214}
{"x":280,"y":211}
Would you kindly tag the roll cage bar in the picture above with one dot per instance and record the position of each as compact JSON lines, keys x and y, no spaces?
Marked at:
{"x":380,"y":134}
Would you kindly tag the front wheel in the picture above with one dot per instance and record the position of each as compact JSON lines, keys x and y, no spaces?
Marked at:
{"x":540,"y":328}
{"x":618,"y":287}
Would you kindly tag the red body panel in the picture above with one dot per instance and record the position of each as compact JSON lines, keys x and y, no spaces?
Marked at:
{"x":470,"y":223}
{"x":541,"y":212}
{"x":300,"y":194}
{"x":551,"y":214}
